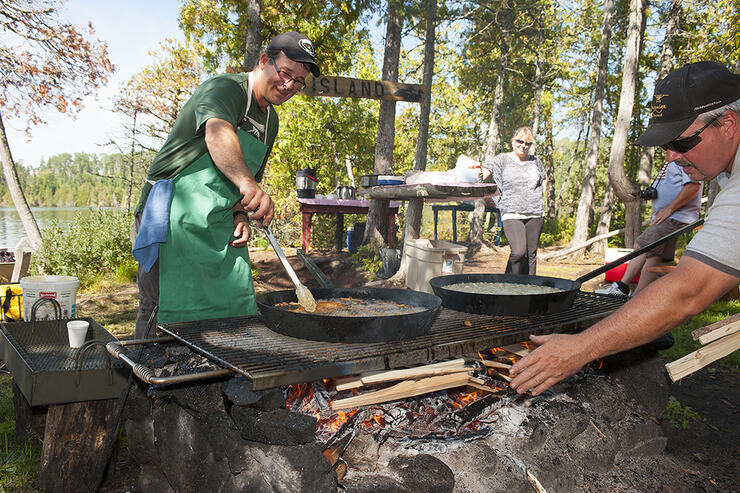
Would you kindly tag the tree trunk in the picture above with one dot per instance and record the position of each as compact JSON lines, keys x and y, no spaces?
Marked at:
{"x":666,"y":62}
{"x":549,"y":164}
{"x":253,"y":42}
{"x":585,"y":204}
{"x":625,"y":190}
{"x":412,"y":228}
{"x":377,"y":216}
{"x":605,"y":220}
{"x":537,"y":99}
{"x":16,"y":192}
{"x":475,"y":237}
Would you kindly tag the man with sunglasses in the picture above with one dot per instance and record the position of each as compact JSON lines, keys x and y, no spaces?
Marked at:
{"x":696,"y":118}
{"x":192,"y":216}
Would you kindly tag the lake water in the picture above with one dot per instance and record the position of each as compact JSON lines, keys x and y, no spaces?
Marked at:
{"x":11,"y":229}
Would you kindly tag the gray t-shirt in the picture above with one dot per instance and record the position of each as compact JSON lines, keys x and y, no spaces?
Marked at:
{"x":716,"y":244}
{"x":668,"y":189}
{"x":520,"y":184}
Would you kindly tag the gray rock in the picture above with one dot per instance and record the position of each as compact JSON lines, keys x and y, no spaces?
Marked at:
{"x":237,"y":392}
{"x":151,"y":480}
{"x":276,"y":427}
{"x":140,"y":441}
{"x":423,"y":473}
{"x":643,"y":376}
{"x":374,"y":484}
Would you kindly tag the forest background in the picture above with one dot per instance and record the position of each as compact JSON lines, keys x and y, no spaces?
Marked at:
{"x":560,"y":67}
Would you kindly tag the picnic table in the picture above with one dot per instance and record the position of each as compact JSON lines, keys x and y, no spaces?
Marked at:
{"x":338,"y":207}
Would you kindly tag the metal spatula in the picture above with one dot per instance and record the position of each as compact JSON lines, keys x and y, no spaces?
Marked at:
{"x":305,"y":298}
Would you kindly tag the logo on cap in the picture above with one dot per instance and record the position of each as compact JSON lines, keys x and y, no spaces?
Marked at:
{"x":658,"y":105}
{"x":307,"y":46}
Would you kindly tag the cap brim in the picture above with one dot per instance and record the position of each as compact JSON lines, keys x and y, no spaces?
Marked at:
{"x":302,"y":58}
{"x":658,"y":134}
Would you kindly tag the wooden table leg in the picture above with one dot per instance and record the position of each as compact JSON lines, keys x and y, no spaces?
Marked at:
{"x":339,"y":233}
{"x":436,"y":213}
{"x":306,"y":230}
{"x":454,"y":226}
{"x":391,"y":228}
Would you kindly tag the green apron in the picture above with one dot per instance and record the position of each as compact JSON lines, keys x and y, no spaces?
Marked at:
{"x":200,"y":275}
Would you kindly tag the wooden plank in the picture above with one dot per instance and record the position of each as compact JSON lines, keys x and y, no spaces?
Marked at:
{"x":703,"y":356}
{"x":402,"y":390}
{"x":346,"y":87}
{"x":352,"y":381}
{"x":716,"y":325}
{"x":495,"y":364}
{"x":719,"y":333}
{"x":443,"y":368}
{"x":428,"y":190}
{"x":517,"y":349}
{"x":357,"y":381}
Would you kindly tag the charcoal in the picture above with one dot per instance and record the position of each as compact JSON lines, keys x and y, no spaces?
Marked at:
{"x":276,"y":427}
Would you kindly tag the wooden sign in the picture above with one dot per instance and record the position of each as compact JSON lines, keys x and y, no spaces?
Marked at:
{"x":343,"y":87}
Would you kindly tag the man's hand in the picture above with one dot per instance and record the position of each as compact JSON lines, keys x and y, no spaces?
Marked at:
{"x":557,"y":357}
{"x":661,"y":215}
{"x":255,"y":199}
{"x":242,"y":232}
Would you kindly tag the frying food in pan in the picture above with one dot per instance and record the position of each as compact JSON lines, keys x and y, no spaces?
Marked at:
{"x":501,"y":288}
{"x":354,"y":307}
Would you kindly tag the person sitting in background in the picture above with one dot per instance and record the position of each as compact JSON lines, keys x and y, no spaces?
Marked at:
{"x":676,"y":205}
{"x":520,"y":178}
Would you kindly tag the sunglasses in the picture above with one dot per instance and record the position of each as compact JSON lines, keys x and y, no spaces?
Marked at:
{"x":687,"y":143}
{"x":520,"y":142}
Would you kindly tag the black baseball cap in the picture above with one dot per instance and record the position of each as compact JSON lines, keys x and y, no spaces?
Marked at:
{"x":683,"y":95}
{"x":297,"y":47}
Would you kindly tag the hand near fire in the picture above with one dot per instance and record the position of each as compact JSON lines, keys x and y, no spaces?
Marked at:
{"x":557,"y":357}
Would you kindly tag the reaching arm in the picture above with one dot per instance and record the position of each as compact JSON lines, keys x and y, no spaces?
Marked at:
{"x":661,"y":306}
{"x":226,"y":152}
{"x":687,"y":193}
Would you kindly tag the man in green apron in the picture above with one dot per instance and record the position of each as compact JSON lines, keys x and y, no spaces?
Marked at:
{"x":210,"y":167}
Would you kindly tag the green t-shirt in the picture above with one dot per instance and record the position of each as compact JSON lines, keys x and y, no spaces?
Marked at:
{"x":224,"y":97}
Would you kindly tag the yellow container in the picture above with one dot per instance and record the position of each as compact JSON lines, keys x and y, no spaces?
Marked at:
{"x":11,"y":302}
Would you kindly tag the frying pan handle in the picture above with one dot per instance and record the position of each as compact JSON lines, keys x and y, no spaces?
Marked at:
{"x":638,"y":252}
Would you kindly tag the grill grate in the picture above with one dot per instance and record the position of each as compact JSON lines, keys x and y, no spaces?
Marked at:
{"x":247,"y":346}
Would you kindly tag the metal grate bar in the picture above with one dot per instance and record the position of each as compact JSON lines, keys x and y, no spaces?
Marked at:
{"x":247,"y":346}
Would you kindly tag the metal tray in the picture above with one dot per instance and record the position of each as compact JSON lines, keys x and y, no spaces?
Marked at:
{"x":48,"y":371}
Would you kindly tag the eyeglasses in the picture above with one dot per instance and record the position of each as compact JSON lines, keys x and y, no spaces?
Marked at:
{"x":687,"y":143}
{"x":298,"y":84}
{"x":521,"y":142}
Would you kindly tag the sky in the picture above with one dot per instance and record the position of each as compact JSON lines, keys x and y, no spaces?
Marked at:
{"x":131,"y":28}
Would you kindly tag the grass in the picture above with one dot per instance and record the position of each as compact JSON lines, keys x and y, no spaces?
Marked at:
{"x":19,"y":462}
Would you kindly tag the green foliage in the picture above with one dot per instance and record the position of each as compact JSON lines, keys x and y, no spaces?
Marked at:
{"x":557,"y":232}
{"x":686,"y":344}
{"x":126,"y":270}
{"x":680,"y":416}
{"x":368,"y":259}
{"x":93,"y":244}
{"x":19,"y":462}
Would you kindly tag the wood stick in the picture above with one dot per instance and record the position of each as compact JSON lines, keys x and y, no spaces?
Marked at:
{"x":703,"y":356}
{"x":357,"y":381}
{"x":416,"y":372}
{"x":495,"y":364}
{"x":719,"y":333}
{"x":517,"y":349}
{"x":352,"y":381}
{"x":536,"y":485}
{"x":696,"y":334}
{"x":402,"y":390}
{"x":505,"y":377}
{"x":484,"y":388}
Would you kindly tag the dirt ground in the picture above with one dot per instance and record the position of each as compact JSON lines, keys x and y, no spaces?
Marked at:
{"x":709,"y":441}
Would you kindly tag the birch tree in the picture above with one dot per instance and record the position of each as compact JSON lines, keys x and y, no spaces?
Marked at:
{"x":44,"y":63}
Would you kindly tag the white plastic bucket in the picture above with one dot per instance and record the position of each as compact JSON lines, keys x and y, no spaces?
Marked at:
{"x":63,"y":289}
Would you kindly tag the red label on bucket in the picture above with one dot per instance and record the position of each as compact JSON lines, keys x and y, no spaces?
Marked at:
{"x":51,"y":294}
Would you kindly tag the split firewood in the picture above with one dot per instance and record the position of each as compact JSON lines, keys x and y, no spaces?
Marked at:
{"x":495,"y":364}
{"x":341,"y":469}
{"x":536,"y":485}
{"x":703,"y":356}
{"x":712,"y":332}
{"x":517,"y":349}
{"x":501,"y":375}
{"x":356,"y":382}
{"x":402,"y":390}
{"x":484,"y":388}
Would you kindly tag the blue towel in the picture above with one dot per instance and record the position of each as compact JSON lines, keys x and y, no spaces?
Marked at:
{"x":154,"y":224}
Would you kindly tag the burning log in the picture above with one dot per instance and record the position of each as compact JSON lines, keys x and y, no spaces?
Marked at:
{"x":404,"y":389}
{"x":517,"y":349}
{"x":496,"y":364}
{"x":703,"y":356}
